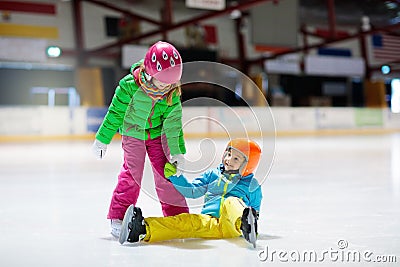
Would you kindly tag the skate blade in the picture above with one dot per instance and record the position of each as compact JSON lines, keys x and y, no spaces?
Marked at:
{"x":252,"y":234}
{"x":123,"y":236}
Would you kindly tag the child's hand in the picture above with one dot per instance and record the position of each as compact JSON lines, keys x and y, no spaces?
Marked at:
{"x":169,"y":170}
{"x":99,"y":149}
{"x":179,"y":162}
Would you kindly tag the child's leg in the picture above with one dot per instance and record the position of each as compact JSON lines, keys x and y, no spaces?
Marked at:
{"x":198,"y":225}
{"x":172,"y":202}
{"x":230,"y":214}
{"x":184,"y":225}
{"x":129,"y":179}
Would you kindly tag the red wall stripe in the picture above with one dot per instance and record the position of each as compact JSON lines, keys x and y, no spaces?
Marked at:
{"x":327,"y":34}
{"x":29,"y":7}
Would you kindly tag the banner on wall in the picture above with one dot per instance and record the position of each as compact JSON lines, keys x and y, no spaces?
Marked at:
{"x":23,"y":49}
{"x":334,"y":66}
{"x":264,"y":19}
{"x":206,"y":4}
{"x":95,"y":117}
{"x":385,"y":47}
{"x":282,"y":66}
{"x":368,"y":117}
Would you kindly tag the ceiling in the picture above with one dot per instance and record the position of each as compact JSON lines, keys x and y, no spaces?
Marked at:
{"x":315,"y":12}
{"x":384,"y":15}
{"x":349,"y":12}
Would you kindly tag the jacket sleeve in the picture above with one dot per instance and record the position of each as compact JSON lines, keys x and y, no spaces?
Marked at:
{"x":116,"y":111}
{"x":172,"y":127}
{"x":195,"y":189}
{"x":255,"y":195}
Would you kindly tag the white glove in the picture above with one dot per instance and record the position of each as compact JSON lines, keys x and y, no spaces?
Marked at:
{"x":99,"y":149}
{"x":179,"y":161}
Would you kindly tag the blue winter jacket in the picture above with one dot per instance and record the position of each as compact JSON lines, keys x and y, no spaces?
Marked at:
{"x":216,"y":186}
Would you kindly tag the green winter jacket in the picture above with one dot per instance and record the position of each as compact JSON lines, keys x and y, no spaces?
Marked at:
{"x":137,"y":115}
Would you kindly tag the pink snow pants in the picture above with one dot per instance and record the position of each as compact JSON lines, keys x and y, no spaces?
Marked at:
{"x":130,"y":178}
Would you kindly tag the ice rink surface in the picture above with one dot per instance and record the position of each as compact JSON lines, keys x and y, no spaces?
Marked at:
{"x":330,"y":199}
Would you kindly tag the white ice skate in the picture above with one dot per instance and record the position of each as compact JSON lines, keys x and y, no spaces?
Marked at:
{"x":249,"y":225}
{"x":252,"y":235}
{"x":123,"y":236}
{"x":133,"y":227}
{"x":115,"y":227}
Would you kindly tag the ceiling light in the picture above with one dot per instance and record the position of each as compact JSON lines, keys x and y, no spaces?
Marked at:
{"x":390,"y":5}
{"x":53,"y":51}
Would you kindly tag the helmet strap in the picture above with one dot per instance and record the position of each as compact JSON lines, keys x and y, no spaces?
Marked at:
{"x":241,"y":168}
{"x":231,"y":172}
{"x":147,"y":76}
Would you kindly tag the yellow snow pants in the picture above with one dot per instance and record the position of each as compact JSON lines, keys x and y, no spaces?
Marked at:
{"x":188,"y":225}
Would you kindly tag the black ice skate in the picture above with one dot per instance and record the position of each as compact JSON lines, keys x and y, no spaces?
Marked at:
{"x":133,"y":228}
{"x":249,"y":225}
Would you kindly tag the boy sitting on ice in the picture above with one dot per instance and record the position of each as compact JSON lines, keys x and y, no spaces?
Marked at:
{"x":231,"y":204}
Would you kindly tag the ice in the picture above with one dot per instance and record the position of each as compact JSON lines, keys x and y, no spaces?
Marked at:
{"x":322,"y":194}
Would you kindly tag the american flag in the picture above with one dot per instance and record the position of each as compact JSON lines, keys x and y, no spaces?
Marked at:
{"x":386,"y":48}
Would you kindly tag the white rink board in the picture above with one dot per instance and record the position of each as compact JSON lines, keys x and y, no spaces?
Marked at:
{"x":205,"y":121}
{"x":331,"y":118}
{"x":287,"y":119}
{"x":391,"y":120}
{"x":42,"y":120}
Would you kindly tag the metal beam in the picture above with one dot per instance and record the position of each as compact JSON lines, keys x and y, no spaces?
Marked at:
{"x":166,"y":14}
{"x":241,"y":45}
{"x":332,"y":18}
{"x":209,"y":15}
{"x":364,"y":54}
{"x":78,"y":30}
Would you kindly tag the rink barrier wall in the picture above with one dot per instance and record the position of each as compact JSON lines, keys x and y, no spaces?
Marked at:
{"x":42,"y":123}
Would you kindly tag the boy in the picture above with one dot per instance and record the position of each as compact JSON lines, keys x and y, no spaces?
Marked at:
{"x":231,"y":204}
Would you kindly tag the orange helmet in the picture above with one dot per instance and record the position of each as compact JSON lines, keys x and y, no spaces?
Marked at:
{"x":250,"y":150}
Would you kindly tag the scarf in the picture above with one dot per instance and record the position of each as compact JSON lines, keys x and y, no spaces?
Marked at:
{"x":149,"y":88}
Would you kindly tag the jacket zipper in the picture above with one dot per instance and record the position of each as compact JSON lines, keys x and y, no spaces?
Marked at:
{"x":225,"y":189}
{"x":149,"y":119}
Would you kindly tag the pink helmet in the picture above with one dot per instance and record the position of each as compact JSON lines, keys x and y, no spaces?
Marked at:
{"x":163,"y":62}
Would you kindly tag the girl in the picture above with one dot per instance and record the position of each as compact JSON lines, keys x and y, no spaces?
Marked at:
{"x":147,"y":110}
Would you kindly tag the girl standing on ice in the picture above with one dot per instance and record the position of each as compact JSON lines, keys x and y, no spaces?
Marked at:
{"x":147,"y":110}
